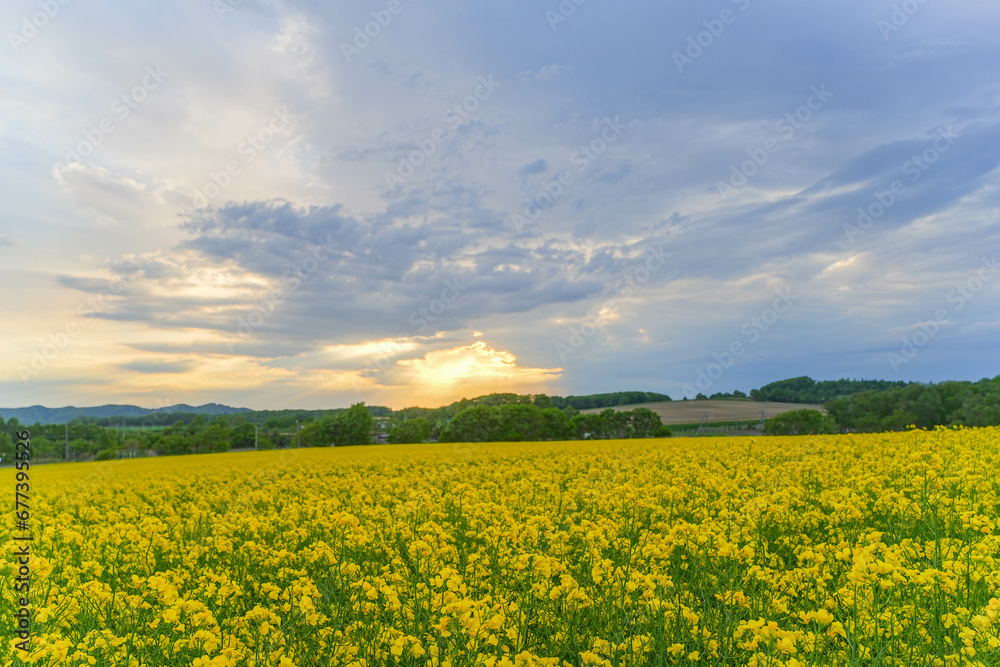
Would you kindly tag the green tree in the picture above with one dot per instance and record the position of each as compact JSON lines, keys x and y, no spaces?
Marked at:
{"x":410,"y":431}
{"x":241,"y":436}
{"x":6,"y":446}
{"x":644,"y":423}
{"x":174,"y":443}
{"x":555,"y":424}
{"x":320,"y":433}
{"x":542,"y":400}
{"x":354,"y":426}
{"x":800,"y":422}
{"x":213,"y":438}
{"x":196,"y":425}
{"x":468,"y":426}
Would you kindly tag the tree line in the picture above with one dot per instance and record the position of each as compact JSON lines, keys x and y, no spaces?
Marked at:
{"x":898,"y":407}
{"x":83,"y":439}
{"x":526,"y":422}
{"x":806,"y":390}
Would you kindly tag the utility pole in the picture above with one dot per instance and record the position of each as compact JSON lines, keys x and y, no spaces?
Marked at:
{"x":255,"y":437}
{"x":298,"y":441}
{"x":67,"y":441}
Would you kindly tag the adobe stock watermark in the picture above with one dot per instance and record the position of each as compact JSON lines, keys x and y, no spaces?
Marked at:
{"x":626,"y":287}
{"x":714,"y":28}
{"x":420,"y":320}
{"x":32,"y":24}
{"x":223,"y":7}
{"x":900,"y":16}
{"x":121,"y":108}
{"x":562,"y":13}
{"x":455,"y":116}
{"x":371,"y":30}
{"x":958,"y":297}
{"x":915,"y":168}
{"x":785,"y":127}
{"x":59,"y":341}
{"x":246,"y":152}
{"x":291,"y":281}
{"x":550,"y":191}
{"x":751,"y":331}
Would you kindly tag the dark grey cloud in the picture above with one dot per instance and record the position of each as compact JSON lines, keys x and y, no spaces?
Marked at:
{"x":159,"y":367}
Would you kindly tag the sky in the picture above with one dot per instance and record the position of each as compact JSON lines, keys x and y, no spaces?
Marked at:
{"x":403,"y":202}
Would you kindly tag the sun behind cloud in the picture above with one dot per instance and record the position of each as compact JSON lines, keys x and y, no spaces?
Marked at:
{"x":469,"y":370}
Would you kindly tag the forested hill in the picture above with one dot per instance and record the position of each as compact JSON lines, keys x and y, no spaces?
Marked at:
{"x":543,"y":401}
{"x":806,"y":390}
{"x":924,"y":406}
{"x":131,"y":415}
{"x":608,"y":400}
{"x":38,"y":414}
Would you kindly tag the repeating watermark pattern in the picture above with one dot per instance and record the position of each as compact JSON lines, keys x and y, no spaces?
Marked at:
{"x":420,"y":321}
{"x":59,"y":341}
{"x":246,"y":152}
{"x":32,"y":24}
{"x":291,"y":281}
{"x":899,"y":17}
{"x":454,"y":117}
{"x":785,"y":127}
{"x":363,"y":35}
{"x":957,"y":297}
{"x":121,"y":108}
{"x":625,"y":287}
{"x":562,"y":13}
{"x":223,"y":7}
{"x":551,"y":191}
{"x":751,"y":331}
{"x":915,"y":168}
{"x":697,"y":44}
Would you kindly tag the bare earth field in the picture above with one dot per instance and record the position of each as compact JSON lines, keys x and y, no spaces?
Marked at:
{"x":691,"y":412}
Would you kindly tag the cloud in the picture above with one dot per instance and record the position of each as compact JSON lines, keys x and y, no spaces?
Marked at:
{"x":306,"y":260}
{"x":468,"y":370}
{"x":159,"y":367}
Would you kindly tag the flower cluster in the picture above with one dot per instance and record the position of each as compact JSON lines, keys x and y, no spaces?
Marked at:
{"x":784,"y":551}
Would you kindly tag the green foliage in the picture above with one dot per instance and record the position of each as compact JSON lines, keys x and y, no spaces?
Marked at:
{"x":242,"y":436}
{"x":174,"y":443}
{"x":608,"y":400}
{"x":196,"y":425}
{"x":505,"y":423}
{"x":106,"y":454}
{"x":6,"y":444}
{"x":354,"y":426}
{"x":924,"y":406}
{"x":318,"y":433}
{"x":806,"y":390}
{"x":526,"y":423}
{"x":348,"y":427}
{"x":800,"y":422}
{"x":619,"y":424}
{"x":721,"y":395}
{"x":410,"y":431}
{"x":213,"y":438}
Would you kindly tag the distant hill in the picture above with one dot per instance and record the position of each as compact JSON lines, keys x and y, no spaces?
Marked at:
{"x":37,"y":414}
{"x":806,"y":390}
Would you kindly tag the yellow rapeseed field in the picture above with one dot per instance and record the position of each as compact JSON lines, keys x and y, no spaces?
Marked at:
{"x":829,"y":550}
